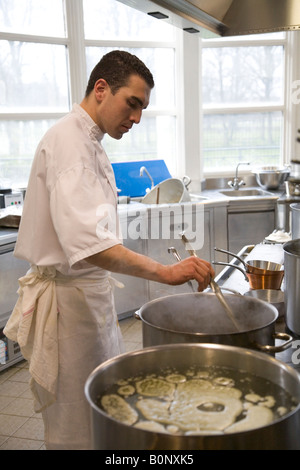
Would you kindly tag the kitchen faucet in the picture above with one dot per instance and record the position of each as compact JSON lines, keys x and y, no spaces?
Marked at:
{"x":144,"y":169}
{"x":236,"y":183}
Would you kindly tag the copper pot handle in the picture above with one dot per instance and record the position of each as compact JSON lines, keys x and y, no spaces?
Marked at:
{"x":275,"y":349}
{"x":221,"y":263}
{"x":232,"y":254}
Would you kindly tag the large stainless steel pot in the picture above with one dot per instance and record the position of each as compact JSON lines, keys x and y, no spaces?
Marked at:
{"x":295,"y":211}
{"x":110,"y":434}
{"x":292,"y":283}
{"x":200,"y":318}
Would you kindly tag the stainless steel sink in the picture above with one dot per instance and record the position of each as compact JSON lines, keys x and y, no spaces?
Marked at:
{"x":245,"y":192}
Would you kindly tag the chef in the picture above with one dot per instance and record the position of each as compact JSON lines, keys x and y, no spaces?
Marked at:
{"x":65,"y":320}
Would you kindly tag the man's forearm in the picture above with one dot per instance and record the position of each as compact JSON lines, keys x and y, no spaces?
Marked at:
{"x":119,"y":259}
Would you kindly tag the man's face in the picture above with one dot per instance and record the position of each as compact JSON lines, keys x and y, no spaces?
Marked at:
{"x":117,"y":113}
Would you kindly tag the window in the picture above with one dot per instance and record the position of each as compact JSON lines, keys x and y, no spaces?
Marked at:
{"x":155,"y":44}
{"x":243,"y":101}
{"x":47,"y":51}
{"x":49,"y":47}
{"x":32,"y":17}
{"x":34,"y":81}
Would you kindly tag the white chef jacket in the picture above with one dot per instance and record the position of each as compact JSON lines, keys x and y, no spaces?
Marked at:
{"x":67,"y":321}
{"x":71,"y":179}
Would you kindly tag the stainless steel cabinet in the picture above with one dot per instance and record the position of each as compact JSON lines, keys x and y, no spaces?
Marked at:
{"x":135,"y":291}
{"x":224,"y":225}
{"x":249,"y":226}
{"x":209,"y":230}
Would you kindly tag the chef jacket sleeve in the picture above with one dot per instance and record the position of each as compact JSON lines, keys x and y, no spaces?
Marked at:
{"x":84,"y":214}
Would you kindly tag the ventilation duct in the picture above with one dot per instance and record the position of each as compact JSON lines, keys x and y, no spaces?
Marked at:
{"x":224,"y":17}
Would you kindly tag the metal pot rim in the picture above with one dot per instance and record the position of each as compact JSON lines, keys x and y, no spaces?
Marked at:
{"x":186,"y":346}
{"x":292,"y":247}
{"x":139,"y":314}
{"x":270,"y":170}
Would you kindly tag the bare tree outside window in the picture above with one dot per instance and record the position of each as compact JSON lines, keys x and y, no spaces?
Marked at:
{"x":235,"y":81}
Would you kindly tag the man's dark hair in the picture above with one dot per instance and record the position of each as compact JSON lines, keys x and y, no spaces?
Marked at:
{"x":116,"y":67}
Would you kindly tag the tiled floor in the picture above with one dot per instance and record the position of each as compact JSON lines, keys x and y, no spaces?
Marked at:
{"x":20,"y":427}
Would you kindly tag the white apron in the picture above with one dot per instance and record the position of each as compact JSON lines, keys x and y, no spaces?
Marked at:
{"x":65,"y":328}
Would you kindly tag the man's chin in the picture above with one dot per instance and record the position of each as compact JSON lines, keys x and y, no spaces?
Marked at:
{"x":116,"y":135}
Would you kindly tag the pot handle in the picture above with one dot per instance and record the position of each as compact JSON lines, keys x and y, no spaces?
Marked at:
{"x":279,"y":348}
{"x":221,"y":263}
{"x":137,"y":315}
{"x":232,"y":254}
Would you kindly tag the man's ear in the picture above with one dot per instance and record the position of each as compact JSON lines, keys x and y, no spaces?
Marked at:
{"x":101,"y":87}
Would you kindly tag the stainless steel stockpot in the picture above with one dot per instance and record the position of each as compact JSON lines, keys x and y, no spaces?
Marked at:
{"x":200,"y":318}
{"x":110,"y":434}
{"x":292,"y":281}
{"x":295,"y":213}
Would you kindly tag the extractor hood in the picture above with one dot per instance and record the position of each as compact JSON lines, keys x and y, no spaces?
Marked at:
{"x":224,"y":17}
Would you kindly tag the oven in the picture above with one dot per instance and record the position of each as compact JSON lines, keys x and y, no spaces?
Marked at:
{"x":11,"y":269}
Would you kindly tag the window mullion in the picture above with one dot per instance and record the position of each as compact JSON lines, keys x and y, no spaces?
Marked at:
{"x":243,"y":109}
{"x":31,"y":116}
{"x":223,"y":42}
{"x":291,"y":73}
{"x":127,"y":43}
{"x":31,"y":38}
{"x":76,"y":49}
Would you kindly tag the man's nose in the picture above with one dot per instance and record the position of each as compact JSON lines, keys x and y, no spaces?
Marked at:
{"x":136,"y":115}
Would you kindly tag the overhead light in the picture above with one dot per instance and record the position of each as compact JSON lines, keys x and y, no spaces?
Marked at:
{"x":191,"y":30}
{"x":158,"y":15}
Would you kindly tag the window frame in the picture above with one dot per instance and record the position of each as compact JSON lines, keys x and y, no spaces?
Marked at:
{"x":189,"y":109}
{"x":76,"y":44}
{"x":286,"y":107}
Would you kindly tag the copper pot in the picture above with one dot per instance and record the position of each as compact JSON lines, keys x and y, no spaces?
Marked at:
{"x":259,"y":273}
{"x":259,"y":280}
{"x":256,"y":266}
